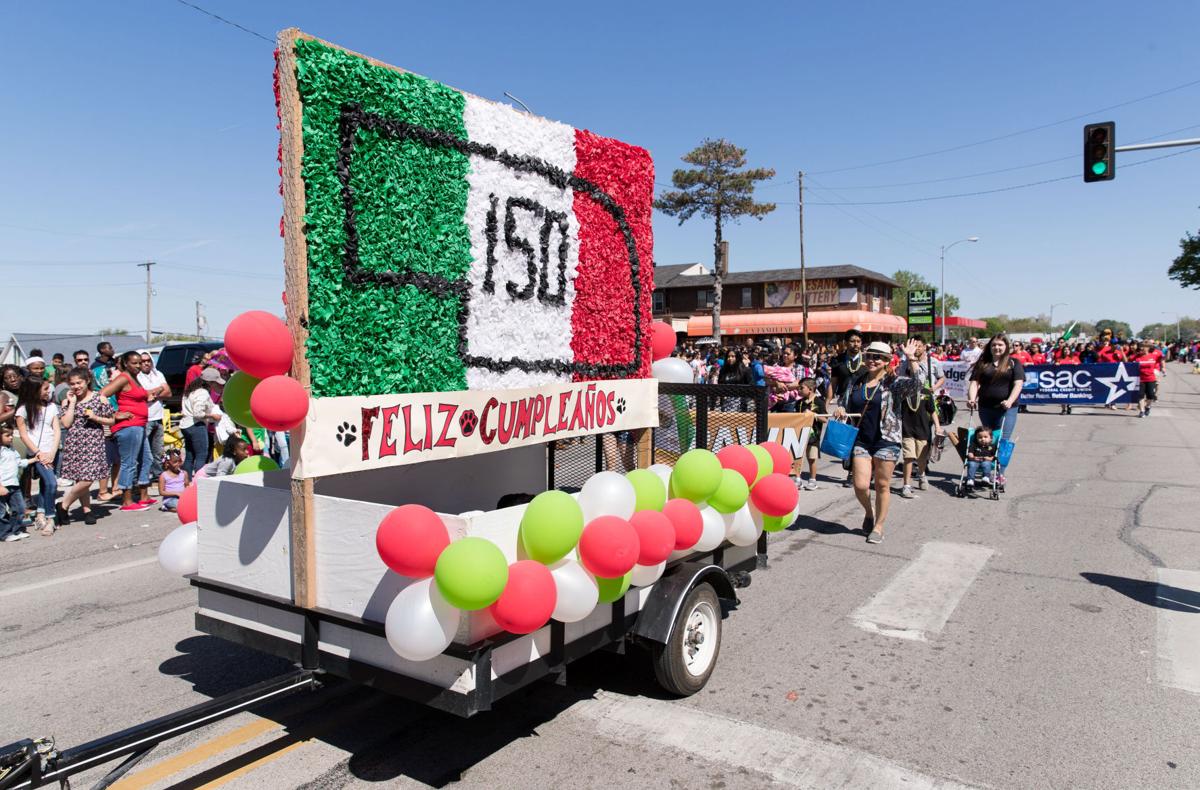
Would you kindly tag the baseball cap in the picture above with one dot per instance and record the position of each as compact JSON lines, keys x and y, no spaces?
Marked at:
{"x":213,"y":375}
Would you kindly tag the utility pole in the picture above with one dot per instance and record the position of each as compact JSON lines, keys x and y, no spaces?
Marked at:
{"x":803,"y":273}
{"x":201,"y":321}
{"x":149,"y":294}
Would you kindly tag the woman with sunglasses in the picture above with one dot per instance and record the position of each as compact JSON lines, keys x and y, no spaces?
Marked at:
{"x":877,"y":394}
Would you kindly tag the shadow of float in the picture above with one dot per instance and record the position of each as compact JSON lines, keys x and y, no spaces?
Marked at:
{"x":1161,"y":596}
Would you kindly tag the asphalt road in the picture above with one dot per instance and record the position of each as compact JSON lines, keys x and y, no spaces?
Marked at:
{"x":1044,"y":640}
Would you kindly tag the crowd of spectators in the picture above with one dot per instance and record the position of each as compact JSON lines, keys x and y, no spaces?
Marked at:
{"x":101,"y":423}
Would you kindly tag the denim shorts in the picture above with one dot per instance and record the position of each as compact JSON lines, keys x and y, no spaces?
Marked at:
{"x":882,"y":452}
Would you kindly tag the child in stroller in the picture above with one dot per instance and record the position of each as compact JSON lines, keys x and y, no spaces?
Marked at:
{"x":980,"y":457}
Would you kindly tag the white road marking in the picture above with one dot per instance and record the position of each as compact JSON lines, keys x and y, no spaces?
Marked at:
{"x":74,"y":577}
{"x":1178,"y":600}
{"x":786,"y":758}
{"x":921,"y":597}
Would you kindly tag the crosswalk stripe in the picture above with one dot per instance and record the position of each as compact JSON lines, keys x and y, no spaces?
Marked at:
{"x":786,"y":758}
{"x":921,"y":597}
{"x":1178,"y":602}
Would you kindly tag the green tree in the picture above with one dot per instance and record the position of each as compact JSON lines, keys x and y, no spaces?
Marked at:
{"x":1186,"y":329}
{"x":721,"y":188}
{"x":112,"y":331}
{"x":1119,"y":328}
{"x":1186,"y":267}
{"x":911,"y":281}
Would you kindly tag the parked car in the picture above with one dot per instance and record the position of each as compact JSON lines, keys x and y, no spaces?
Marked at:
{"x":175,"y":359}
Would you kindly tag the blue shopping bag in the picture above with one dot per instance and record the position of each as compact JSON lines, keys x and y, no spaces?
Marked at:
{"x":1004,"y":452}
{"x":838,"y":439}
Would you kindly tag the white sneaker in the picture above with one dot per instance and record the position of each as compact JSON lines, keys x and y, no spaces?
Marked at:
{"x":810,"y":485}
{"x":906,"y":492}
{"x":921,"y":483}
{"x":12,"y":538}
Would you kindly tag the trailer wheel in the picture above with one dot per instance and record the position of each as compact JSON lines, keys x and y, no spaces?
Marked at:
{"x":683,"y":665}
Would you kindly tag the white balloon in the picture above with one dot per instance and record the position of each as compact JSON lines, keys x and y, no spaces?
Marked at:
{"x":713,"y":534}
{"x":645,"y":575}
{"x":420,"y":624}
{"x":664,"y":474}
{"x":672,"y":370}
{"x":179,"y":552}
{"x":607,"y":494}
{"x":577,"y":591}
{"x":740,"y":529}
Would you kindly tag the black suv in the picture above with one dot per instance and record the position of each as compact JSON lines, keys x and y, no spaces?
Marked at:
{"x":174,"y":361}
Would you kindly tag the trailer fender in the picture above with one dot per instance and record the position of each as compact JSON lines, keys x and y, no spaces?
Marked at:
{"x":657,"y":618}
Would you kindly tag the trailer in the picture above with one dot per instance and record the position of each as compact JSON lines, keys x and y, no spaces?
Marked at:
{"x":468,"y":332}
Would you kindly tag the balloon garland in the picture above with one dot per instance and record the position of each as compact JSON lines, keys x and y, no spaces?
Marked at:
{"x":576,"y":553}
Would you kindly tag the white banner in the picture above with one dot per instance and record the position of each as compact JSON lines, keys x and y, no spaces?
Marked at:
{"x":956,"y":378}
{"x":354,"y":433}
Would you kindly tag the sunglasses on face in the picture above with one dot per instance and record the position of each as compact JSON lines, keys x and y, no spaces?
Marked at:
{"x":874,"y":358}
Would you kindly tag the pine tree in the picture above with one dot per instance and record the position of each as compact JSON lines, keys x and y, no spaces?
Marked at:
{"x":719,"y":187}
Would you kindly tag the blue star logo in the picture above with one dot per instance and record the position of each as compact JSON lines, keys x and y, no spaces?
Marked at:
{"x":1123,"y":381}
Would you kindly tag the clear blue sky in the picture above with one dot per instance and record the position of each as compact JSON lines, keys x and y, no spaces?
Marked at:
{"x":145,"y":129}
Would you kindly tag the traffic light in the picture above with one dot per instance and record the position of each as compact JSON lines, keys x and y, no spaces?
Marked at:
{"x":1099,"y":144}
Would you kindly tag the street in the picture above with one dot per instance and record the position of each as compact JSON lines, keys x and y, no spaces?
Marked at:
{"x":1051,"y":639}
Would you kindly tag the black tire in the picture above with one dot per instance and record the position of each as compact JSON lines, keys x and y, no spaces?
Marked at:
{"x":675,"y":673}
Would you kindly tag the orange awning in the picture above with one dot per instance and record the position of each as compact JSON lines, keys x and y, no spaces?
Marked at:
{"x":781,"y":323}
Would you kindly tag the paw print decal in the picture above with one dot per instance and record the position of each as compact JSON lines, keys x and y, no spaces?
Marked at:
{"x":347,"y":434}
{"x":468,"y":422}
{"x":620,"y":405}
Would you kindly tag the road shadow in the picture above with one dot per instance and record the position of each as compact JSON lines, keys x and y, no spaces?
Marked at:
{"x":214,"y":666}
{"x":387,"y":737}
{"x":1160,"y":596}
{"x":821,"y":526}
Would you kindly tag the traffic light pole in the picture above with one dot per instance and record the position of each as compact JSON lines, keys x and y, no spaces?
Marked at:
{"x":1163,"y":144}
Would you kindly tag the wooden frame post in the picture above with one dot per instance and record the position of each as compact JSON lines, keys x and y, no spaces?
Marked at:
{"x":295,"y":258}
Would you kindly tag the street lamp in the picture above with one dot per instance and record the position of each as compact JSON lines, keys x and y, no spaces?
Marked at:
{"x":944,"y":248}
{"x":1056,"y":304}
{"x":1178,"y":332}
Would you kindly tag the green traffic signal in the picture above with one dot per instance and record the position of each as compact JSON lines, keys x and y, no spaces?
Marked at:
{"x":1099,"y":168}
{"x":1099,"y":149}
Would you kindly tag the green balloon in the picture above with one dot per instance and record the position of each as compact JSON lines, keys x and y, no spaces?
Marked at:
{"x":649,"y":488}
{"x":766,"y":464}
{"x":612,"y":589}
{"x":551,"y":526}
{"x":235,"y":399}
{"x":776,"y":523}
{"x":696,"y":475}
{"x":731,"y":494}
{"x":256,"y":463}
{"x":471,"y":573}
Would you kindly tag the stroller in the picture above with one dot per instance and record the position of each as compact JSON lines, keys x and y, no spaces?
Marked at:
{"x":1004,"y":449}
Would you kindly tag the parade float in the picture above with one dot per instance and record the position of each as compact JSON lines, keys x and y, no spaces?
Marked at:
{"x":467,"y":310}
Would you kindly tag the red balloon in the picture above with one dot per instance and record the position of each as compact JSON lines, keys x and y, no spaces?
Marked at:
{"x":740,"y":460}
{"x":780,"y":457}
{"x":775,"y":495}
{"x":188,"y":506}
{"x":279,"y":403}
{"x":609,"y":547}
{"x":528,"y":599}
{"x":260,"y":344}
{"x":410,"y":539}
{"x":656,"y":536}
{"x":662,"y":340}
{"x":685,"y":517}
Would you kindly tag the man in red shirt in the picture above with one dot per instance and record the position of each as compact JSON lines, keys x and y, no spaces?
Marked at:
{"x":1068,"y":356}
{"x":1036,"y":357}
{"x":1150,"y":362}
{"x":1021,"y":355}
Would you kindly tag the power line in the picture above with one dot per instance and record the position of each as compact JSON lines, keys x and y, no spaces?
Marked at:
{"x":1006,"y":169}
{"x":229,"y":22}
{"x":1009,"y":134}
{"x":992,"y":191}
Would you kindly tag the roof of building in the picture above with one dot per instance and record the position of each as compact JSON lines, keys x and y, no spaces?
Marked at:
{"x":665,"y":274}
{"x":679,"y":280}
{"x":51,"y":344}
